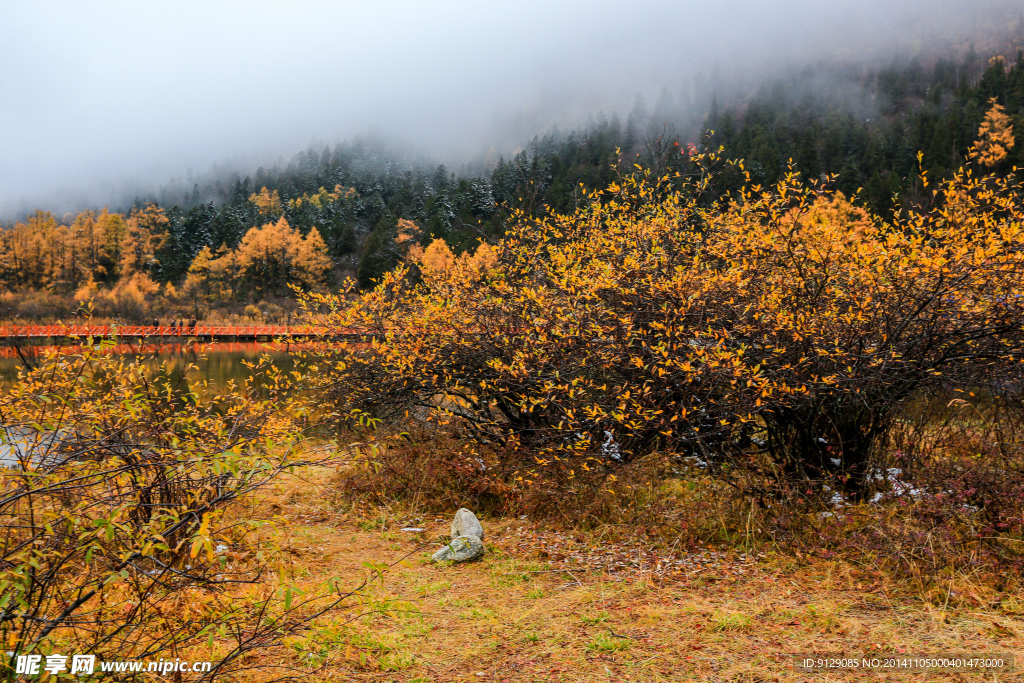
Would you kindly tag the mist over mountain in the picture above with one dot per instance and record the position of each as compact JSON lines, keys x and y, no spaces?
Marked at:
{"x":109,"y":102}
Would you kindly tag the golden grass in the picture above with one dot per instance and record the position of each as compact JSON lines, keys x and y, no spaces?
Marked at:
{"x":516,"y":616}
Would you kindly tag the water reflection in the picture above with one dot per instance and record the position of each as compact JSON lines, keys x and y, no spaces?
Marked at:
{"x":217,"y":363}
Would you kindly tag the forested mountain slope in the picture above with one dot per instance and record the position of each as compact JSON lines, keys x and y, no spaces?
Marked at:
{"x":865,"y":127}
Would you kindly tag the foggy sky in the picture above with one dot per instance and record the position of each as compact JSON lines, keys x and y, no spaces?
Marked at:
{"x":102,"y":98}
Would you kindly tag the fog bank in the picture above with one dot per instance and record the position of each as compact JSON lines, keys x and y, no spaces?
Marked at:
{"x":106,"y":100}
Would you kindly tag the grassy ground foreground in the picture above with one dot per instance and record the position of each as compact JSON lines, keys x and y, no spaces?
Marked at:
{"x":547,"y":605}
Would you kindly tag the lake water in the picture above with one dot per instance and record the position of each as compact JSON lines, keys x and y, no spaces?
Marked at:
{"x":218,"y":363}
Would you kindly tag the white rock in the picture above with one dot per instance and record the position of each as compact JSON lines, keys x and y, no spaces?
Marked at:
{"x":466,"y":524}
{"x":461,"y":549}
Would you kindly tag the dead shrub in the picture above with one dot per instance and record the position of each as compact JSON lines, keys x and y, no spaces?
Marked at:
{"x":43,"y":305}
{"x":947,"y":497}
{"x":428,"y":470}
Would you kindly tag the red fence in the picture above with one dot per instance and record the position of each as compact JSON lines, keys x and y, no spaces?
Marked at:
{"x":204,"y":331}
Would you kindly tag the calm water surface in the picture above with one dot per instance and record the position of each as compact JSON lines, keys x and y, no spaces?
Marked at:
{"x":216,"y":363}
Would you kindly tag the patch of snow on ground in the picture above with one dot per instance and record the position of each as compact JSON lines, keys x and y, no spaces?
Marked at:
{"x":609,"y":448}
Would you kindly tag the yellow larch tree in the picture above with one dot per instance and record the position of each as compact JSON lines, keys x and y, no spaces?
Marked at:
{"x":437,"y":258}
{"x":265,"y":255}
{"x":112,"y":229}
{"x":312,"y":261}
{"x":197,"y":281}
{"x":89,"y":244}
{"x":995,"y":136}
{"x":267,"y":260}
{"x":268,"y":202}
{"x":145,"y":233}
{"x":408,"y":240}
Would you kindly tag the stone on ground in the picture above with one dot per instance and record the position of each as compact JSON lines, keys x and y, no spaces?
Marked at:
{"x":461,"y":549}
{"x":466,"y":524}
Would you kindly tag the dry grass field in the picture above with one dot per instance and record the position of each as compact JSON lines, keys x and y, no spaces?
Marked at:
{"x":558,"y":605}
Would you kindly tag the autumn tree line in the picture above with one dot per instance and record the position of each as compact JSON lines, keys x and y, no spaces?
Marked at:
{"x":114,"y":259}
{"x":863,"y":131}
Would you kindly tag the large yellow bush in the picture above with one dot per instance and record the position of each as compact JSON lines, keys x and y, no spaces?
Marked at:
{"x":784,"y":328}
